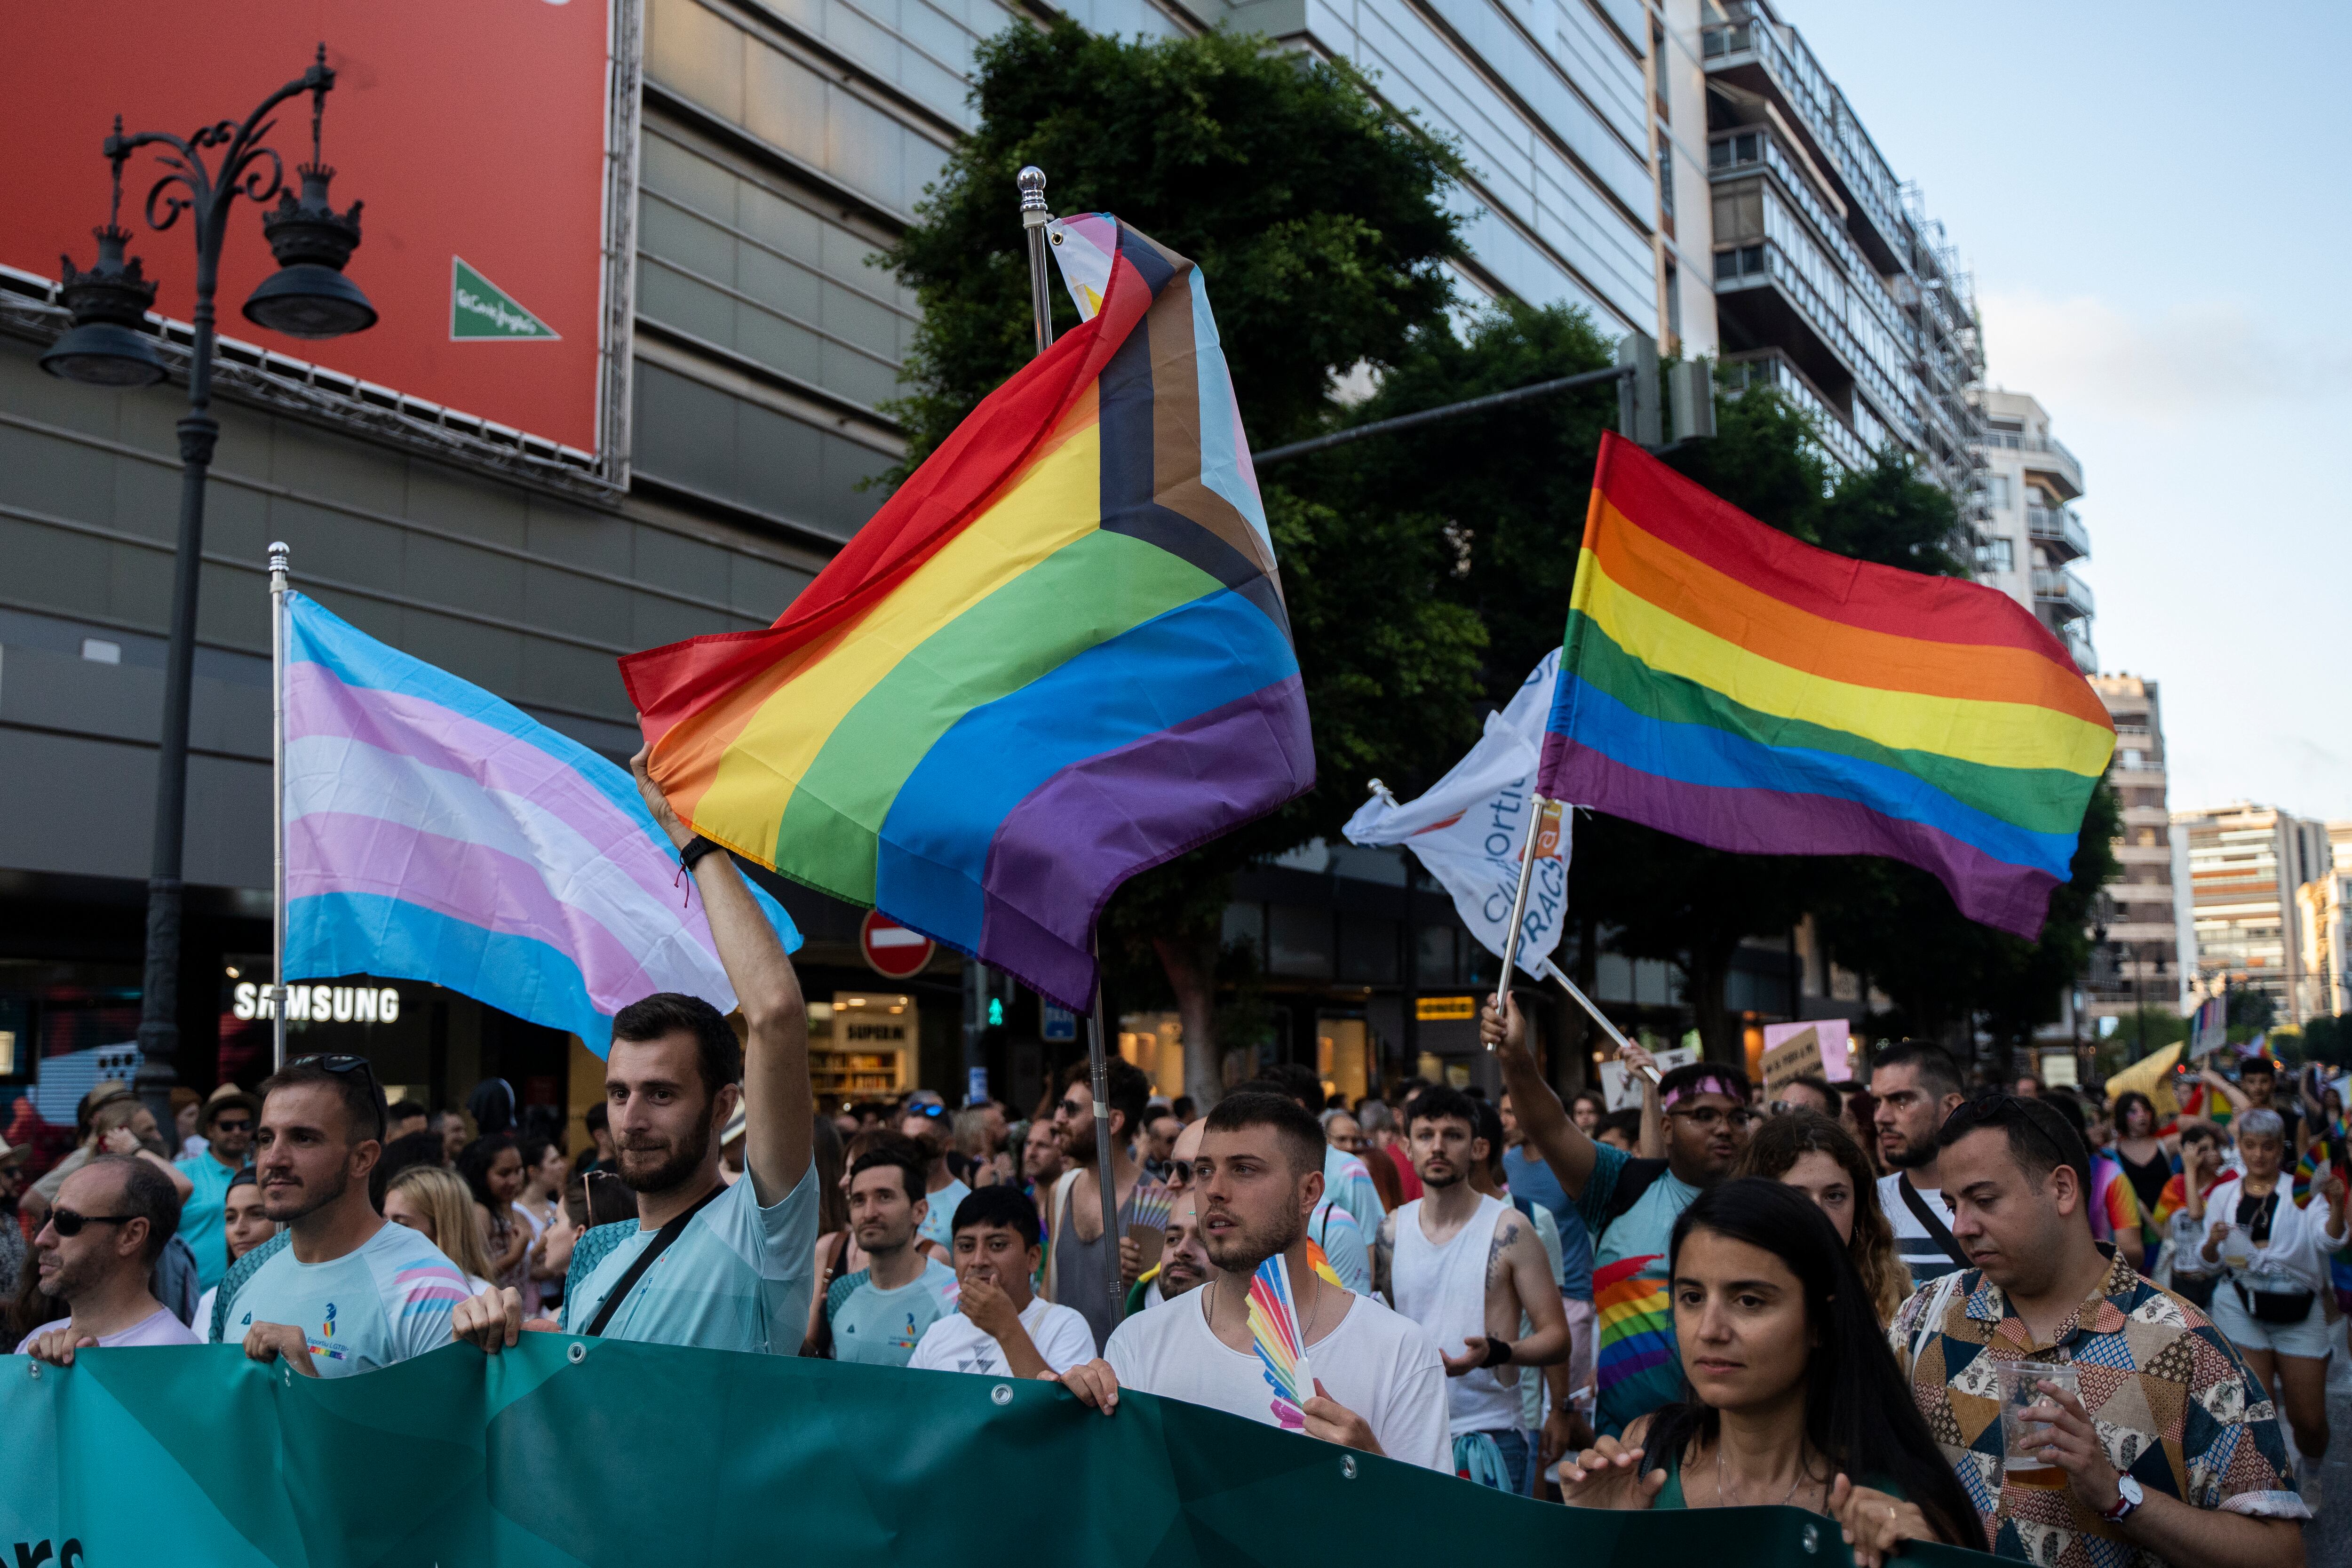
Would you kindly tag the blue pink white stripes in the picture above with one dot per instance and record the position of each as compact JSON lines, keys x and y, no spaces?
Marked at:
{"x":435,"y":833}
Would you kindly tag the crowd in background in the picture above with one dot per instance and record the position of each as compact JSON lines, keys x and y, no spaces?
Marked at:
{"x":1571,"y":1250}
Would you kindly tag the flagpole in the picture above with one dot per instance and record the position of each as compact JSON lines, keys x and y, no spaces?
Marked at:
{"x":1033,"y":219}
{"x":1098,"y":1066}
{"x":277,"y":562}
{"x":1519,"y":900}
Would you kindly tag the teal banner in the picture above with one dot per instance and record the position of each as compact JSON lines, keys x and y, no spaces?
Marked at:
{"x":566,"y":1451}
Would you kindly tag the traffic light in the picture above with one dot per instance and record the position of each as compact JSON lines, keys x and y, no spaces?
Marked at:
{"x":1690,"y":393}
{"x":996,"y":1012}
{"x":1639,"y":413}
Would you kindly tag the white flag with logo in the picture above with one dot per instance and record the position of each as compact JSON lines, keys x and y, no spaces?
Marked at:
{"x":1469,"y":828}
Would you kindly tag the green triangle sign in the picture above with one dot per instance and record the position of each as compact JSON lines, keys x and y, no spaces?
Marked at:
{"x":480,"y":308}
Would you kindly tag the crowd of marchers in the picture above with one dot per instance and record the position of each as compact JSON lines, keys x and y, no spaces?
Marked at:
{"x":1995,"y":1317}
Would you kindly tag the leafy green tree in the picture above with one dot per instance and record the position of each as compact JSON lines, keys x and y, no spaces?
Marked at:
{"x":1317,"y":221}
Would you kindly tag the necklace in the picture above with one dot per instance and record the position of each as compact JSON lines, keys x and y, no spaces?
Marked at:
{"x":1723,"y":1489}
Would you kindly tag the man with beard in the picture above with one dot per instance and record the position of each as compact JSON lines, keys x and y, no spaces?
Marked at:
{"x":879,"y":1314}
{"x":1184,"y":1261}
{"x":1464,"y":1265}
{"x":1916,"y":1087}
{"x":96,"y":1250}
{"x":709,"y":1264}
{"x":1629,"y":1205}
{"x":339,"y":1292}
{"x":1079,"y":1260}
{"x":1378,"y":1383}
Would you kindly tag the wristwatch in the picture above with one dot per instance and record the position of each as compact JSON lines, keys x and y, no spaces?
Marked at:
{"x":2128,"y":1497}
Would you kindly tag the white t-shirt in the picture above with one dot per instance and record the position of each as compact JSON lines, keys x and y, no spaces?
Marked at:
{"x":1375,"y":1362}
{"x":1920,"y":1251}
{"x":956,"y":1343}
{"x":159,"y":1328}
{"x":387,"y":1300}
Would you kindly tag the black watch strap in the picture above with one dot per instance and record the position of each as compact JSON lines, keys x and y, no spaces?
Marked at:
{"x":696,"y":849}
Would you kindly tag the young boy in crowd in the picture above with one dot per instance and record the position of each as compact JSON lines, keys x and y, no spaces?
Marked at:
{"x":1000,"y":1328}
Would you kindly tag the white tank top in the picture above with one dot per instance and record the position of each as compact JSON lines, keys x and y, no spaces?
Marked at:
{"x":1444,"y":1289}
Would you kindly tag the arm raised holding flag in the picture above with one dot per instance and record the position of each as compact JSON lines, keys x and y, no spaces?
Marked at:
{"x":722,"y":1267}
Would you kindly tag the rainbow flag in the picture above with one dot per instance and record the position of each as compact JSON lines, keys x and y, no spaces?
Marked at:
{"x":1633,"y":1323}
{"x":1058,"y":656}
{"x":1730,"y":685}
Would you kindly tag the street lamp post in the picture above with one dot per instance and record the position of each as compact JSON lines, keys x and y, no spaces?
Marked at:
{"x":107,"y":345}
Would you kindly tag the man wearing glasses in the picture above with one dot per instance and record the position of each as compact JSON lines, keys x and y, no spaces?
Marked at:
{"x":709,"y":1264}
{"x":1630,"y":1205}
{"x":226,"y":1124}
{"x":339,"y":1290}
{"x":96,"y":1251}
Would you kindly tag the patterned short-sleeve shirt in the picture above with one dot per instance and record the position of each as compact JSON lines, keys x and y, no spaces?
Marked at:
{"x":2173,"y":1404}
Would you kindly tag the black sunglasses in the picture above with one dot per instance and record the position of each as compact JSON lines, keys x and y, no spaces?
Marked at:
{"x":344,"y":1066}
{"x":69,"y":1223}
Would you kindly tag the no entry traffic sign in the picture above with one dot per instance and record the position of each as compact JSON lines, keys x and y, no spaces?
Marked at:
{"x":892,"y":949}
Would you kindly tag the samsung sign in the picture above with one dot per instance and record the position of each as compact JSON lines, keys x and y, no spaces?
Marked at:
{"x":321,"y":1004}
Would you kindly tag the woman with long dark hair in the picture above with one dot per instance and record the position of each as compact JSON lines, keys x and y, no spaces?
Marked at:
{"x":1794,"y":1397}
{"x":1807,"y":1151}
{"x":492,"y":1169}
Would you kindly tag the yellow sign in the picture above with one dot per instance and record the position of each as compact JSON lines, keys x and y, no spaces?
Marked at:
{"x":1444,"y":1009}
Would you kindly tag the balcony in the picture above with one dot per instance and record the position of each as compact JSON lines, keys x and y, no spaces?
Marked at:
{"x":1770,"y":297}
{"x":2064,"y":592}
{"x":2059,"y":531}
{"x":2046,"y":457}
{"x":1752,"y":49}
{"x":1771,"y":367}
{"x":2077,"y":637}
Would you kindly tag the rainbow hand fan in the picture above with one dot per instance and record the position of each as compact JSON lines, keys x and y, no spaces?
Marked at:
{"x":1281,"y":1348}
{"x":1151,"y":1205}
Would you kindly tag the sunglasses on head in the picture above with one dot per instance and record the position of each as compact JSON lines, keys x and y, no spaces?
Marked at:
{"x":68,"y":1223}
{"x":344,"y":1066}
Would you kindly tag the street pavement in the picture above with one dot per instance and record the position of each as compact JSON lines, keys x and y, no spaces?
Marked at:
{"x":2327,"y":1539}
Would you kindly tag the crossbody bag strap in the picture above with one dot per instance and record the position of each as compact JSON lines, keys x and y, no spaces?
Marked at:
{"x":1932,"y":1320}
{"x":1925,"y":1212}
{"x":644,"y":1261}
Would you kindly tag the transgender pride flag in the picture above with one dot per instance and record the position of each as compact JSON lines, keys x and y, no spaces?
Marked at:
{"x":435,"y":833}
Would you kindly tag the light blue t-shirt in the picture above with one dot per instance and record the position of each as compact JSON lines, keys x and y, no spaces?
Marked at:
{"x":939,"y":1221}
{"x":882,"y":1328}
{"x":387,"y":1300}
{"x":737,"y":1279}
{"x":202,"y":1226}
{"x":1335,"y":1230}
{"x":1347,"y":1183}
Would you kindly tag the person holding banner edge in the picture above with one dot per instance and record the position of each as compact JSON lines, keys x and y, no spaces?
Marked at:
{"x":725,"y":1268}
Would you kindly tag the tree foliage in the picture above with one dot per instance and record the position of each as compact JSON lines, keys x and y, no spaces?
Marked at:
{"x":1426,"y":569}
{"x":1312,"y":214}
{"x":1317,"y":221}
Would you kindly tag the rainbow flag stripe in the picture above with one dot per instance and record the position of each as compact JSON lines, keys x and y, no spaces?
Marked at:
{"x":1634,"y":1320}
{"x":1731,"y":685}
{"x":1058,"y":656}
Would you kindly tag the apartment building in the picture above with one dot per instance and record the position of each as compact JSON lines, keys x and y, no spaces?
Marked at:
{"x":2325,"y":906}
{"x":2148,"y":956}
{"x":2030,"y":539}
{"x":1819,"y":271}
{"x":2247,"y":864}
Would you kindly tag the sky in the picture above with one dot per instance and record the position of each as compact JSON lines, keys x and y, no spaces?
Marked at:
{"x":2149,"y":197}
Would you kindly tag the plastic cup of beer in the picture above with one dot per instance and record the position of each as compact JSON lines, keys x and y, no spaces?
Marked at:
{"x":2237,"y":1246}
{"x":2025,"y":1430}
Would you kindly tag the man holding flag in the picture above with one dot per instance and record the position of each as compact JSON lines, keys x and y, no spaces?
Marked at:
{"x":726,"y":1267}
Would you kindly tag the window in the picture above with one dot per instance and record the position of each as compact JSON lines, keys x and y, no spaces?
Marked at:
{"x":1658,"y":70}
{"x":1739,"y":214}
{"x":1997,"y":556}
{"x":1666,"y":186}
{"x":1998,"y":492}
{"x":1673,"y":308}
{"x":1746,"y":262}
